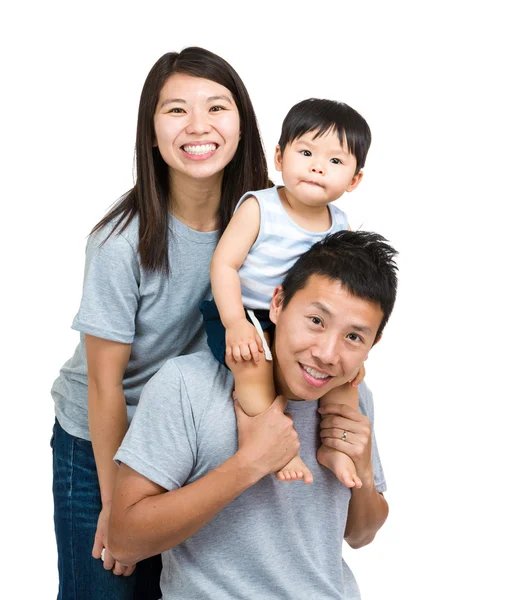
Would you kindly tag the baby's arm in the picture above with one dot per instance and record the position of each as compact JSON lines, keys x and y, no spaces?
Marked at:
{"x":242,"y":341}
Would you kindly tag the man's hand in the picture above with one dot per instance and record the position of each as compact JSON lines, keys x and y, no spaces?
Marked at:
{"x":347,"y":430}
{"x":243,"y":342}
{"x":101,"y":542}
{"x":268,"y":441}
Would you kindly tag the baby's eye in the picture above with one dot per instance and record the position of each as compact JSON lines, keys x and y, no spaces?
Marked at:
{"x":217,"y":108}
{"x":335,"y":161}
{"x":305,"y":153}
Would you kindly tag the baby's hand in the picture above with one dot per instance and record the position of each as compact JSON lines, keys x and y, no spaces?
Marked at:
{"x":359,"y":377}
{"x":243,"y":342}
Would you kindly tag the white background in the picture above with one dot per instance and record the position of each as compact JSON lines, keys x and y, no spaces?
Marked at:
{"x":430,"y":79}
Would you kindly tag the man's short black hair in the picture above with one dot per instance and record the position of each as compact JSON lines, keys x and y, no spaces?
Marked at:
{"x":323,"y":116}
{"x":362,"y":261}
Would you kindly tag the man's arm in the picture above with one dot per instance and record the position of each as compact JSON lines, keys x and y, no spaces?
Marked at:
{"x":146,"y":519}
{"x":368,"y":508}
{"x":367,"y":512}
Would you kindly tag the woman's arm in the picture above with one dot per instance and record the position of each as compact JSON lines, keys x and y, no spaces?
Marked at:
{"x":107,"y":417}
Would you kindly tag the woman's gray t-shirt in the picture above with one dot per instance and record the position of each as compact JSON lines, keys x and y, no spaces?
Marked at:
{"x":157,"y":314}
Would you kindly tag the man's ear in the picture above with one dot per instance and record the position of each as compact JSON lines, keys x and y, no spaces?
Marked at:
{"x":276,"y":304}
{"x":356,"y":179}
{"x":278,"y":158}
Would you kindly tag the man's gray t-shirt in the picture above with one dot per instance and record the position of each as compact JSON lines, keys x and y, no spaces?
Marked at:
{"x":277,"y":541}
{"x":157,"y":314}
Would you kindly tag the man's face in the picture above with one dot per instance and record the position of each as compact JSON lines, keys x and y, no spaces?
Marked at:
{"x":322,"y":337}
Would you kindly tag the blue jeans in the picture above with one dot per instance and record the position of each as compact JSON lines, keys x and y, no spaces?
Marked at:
{"x":77,"y":503}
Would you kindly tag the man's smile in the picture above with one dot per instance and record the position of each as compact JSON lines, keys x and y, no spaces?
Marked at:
{"x":314,"y":377}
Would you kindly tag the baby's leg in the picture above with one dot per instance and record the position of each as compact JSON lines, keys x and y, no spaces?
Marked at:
{"x":254,"y":387}
{"x":339,"y":463}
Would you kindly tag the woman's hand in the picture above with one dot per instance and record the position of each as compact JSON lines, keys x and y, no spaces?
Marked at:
{"x":101,"y":542}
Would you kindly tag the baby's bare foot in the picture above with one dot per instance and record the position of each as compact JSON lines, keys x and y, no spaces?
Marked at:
{"x":340,"y":464}
{"x":295,"y":470}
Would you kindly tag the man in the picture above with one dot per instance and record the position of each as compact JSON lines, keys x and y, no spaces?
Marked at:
{"x":227,"y":528}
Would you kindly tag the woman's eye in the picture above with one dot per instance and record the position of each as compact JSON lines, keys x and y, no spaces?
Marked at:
{"x":305,"y":153}
{"x":217,"y":108}
{"x":176,"y":110}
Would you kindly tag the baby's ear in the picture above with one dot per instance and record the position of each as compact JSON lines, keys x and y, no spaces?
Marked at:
{"x":356,"y":179}
{"x":278,"y":158}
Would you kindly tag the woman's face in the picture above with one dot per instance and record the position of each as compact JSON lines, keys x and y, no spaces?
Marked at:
{"x":197,"y":126}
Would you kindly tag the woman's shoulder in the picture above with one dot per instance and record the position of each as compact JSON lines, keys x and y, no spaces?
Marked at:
{"x":117,"y":232}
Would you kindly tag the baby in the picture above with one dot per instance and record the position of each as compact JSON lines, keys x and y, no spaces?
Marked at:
{"x":321,"y":152}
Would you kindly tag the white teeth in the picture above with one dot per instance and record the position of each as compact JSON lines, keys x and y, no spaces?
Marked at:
{"x":201,"y":149}
{"x":314,"y":373}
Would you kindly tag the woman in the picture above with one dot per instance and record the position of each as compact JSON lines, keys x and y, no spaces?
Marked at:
{"x":198,"y":149}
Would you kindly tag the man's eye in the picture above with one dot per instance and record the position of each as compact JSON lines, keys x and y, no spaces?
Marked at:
{"x":217,"y":108}
{"x":316,"y":321}
{"x":335,"y":161}
{"x":305,"y":153}
{"x":354,"y":337}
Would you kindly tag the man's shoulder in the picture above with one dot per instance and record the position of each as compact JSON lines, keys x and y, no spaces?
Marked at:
{"x":366,"y":401}
{"x":202,"y":362}
{"x":199,"y":374}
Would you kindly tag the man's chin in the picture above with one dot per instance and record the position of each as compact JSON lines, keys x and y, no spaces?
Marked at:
{"x":306,"y":395}
{"x":309,"y":393}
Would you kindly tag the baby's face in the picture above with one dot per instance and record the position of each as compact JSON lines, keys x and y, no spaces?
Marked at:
{"x":317,"y":170}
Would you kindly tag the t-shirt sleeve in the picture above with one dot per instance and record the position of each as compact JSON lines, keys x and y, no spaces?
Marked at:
{"x":367,"y":408}
{"x":161,"y":444}
{"x":110,"y":289}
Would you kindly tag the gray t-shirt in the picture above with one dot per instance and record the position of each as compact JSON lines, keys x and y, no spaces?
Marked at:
{"x":157,"y":314}
{"x":277,"y":541}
